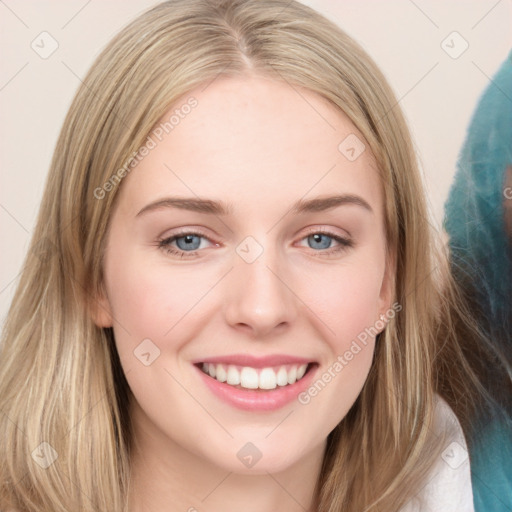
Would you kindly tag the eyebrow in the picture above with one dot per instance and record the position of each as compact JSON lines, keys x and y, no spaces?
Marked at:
{"x":189,"y":203}
{"x":220,"y":208}
{"x":320,"y":204}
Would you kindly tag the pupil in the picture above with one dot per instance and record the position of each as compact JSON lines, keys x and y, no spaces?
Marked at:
{"x":188,"y":242}
{"x":317,"y":239}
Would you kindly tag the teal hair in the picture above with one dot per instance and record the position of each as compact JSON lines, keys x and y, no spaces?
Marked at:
{"x":474,"y":211}
{"x":481,"y":261}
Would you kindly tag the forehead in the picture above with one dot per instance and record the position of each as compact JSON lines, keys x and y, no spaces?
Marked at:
{"x":254,"y":139}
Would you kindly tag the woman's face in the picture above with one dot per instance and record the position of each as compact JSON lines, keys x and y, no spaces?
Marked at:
{"x":251,"y":237}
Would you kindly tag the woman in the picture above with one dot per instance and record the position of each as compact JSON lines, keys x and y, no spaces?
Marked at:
{"x":232,"y":299}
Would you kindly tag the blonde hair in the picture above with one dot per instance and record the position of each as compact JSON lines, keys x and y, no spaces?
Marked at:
{"x":61,"y":381}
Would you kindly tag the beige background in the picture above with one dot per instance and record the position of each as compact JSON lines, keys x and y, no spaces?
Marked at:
{"x":405,"y":37}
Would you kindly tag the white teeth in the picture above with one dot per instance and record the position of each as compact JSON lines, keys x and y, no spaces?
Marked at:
{"x":301,"y":370}
{"x":249,"y":378}
{"x":233,"y":376}
{"x":292,"y":375}
{"x":267,"y":379}
{"x":220,"y":373}
{"x":282,"y":377}
{"x":252,"y":378}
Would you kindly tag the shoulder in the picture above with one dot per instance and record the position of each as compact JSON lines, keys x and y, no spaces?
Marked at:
{"x":448,"y":484}
{"x":446,"y":422}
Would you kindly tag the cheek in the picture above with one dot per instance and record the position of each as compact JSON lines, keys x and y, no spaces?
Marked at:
{"x":148,"y":301}
{"x":347,"y":299}
{"x":348,"y":308}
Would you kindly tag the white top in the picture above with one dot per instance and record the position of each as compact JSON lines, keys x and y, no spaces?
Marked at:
{"x":448,"y":487}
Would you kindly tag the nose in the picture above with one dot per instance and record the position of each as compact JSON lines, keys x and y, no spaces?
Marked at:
{"x":259,"y":301}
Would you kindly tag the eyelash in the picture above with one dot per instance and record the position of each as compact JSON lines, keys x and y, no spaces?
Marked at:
{"x":165,"y":243}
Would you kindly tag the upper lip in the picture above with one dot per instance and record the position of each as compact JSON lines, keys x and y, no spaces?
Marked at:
{"x":255,"y":361}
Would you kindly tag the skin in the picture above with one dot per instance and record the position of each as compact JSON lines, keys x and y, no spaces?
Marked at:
{"x":260,"y":146}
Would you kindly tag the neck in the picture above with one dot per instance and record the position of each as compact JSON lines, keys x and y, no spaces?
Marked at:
{"x":168,"y":477}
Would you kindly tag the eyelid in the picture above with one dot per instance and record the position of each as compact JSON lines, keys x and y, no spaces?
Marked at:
{"x":184,"y":232}
{"x":327,"y":231}
{"x":164,"y":242}
{"x":344,"y":242}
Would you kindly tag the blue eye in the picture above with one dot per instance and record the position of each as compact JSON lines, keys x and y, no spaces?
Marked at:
{"x":322,"y":242}
{"x":319,"y":241}
{"x":188,"y":242}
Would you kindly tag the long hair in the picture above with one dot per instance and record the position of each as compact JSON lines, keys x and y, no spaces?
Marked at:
{"x":481,"y":251}
{"x":481,"y":262}
{"x":61,"y":382}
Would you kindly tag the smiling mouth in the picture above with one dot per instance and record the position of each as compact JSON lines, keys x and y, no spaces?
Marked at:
{"x":264,"y":379}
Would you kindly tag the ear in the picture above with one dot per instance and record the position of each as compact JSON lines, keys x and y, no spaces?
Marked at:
{"x":387,"y":290}
{"x":100,"y":309}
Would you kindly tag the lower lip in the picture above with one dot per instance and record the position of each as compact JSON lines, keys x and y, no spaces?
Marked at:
{"x":265,"y":400}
